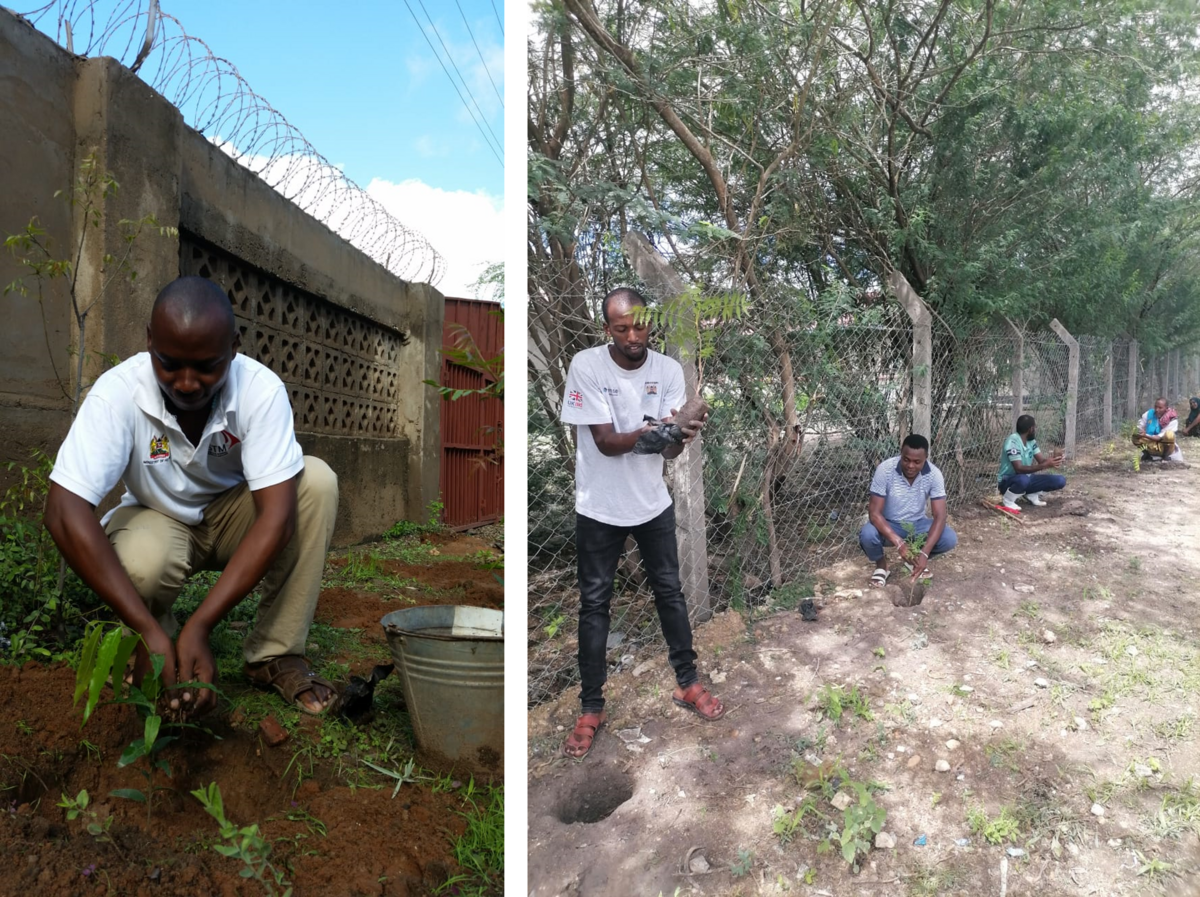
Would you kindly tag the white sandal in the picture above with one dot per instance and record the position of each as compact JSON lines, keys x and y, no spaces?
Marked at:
{"x":880,"y":577}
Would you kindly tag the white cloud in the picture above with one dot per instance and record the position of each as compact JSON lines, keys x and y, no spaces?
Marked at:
{"x":464,"y":227}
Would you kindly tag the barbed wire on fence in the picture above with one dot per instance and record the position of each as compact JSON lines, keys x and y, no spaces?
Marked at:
{"x":218,"y":102}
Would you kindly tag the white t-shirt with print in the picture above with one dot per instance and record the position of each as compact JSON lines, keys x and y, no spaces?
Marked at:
{"x":123,"y":432}
{"x":628,"y":489}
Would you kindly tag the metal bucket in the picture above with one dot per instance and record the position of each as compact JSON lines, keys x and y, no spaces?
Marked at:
{"x":451,"y":665}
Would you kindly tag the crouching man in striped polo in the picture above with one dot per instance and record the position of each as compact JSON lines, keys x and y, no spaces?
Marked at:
{"x":896,"y":516}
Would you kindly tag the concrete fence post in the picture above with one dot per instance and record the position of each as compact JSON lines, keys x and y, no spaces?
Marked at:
{"x":1108,"y":390}
{"x":690,"y":533}
{"x":1018,"y":371}
{"x":1131,"y":399}
{"x":1072,"y":385}
{"x":922,"y":356}
{"x":1176,"y":379}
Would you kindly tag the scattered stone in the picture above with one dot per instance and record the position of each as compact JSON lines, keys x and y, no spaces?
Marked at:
{"x":1114,"y":842}
{"x":962,"y":842}
{"x":996,"y":724}
{"x":1015,"y":852}
{"x":1097,"y":810}
{"x":913,"y":761}
{"x":642,"y":668}
{"x":913,"y":698}
{"x":1132,"y":651}
{"x":1075,"y":508}
{"x":1049,"y":637}
{"x":1023,"y":587}
{"x":885,"y":841}
{"x":942,"y":766}
{"x":966,"y":689}
{"x":1041,"y":682}
{"x":273,"y":733}
{"x":935,"y":723}
{"x":632,"y":735}
{"x":1073,"y":850}
{"x":698,"y":865}
{"x":1023,"y":705}
{"x":952,"y":745}
{"x":841,"y":800}
{"x":1141,"y":770}
{"x":718,"y":677}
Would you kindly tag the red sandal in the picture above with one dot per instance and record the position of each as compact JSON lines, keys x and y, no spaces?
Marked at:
{"x":697,"y":699}
{"x":579,"y":742}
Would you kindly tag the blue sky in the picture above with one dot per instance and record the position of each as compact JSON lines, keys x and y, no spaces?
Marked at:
{"x":363,"y":83}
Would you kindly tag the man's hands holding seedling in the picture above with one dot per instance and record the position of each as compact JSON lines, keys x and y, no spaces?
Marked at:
{"x":188,"y":660}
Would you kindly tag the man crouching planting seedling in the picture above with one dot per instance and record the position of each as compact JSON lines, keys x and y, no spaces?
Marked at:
{"x":105,"y":653}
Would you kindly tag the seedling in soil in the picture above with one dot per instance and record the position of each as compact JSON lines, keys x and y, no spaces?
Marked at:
{"x":245,"y":843}
{"x":78,"y":806}
{"x":104,"y":657}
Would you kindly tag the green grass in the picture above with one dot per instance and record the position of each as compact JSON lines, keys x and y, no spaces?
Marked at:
{"x":480,"y":849}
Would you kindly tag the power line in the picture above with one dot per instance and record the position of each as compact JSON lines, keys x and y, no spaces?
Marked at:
{"x":498,"y":19}
{"x":450,"y":56}
{"x":455,"y":86}
{"x":479,"y":52}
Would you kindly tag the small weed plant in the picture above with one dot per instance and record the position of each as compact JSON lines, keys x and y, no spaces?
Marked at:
{"x":834,"y":701}
{"x":740,"y":867}
{"x":245,"y":843}
{"x":861,"y":822}
{"x":100,"y":830}
{"x":1005,"y":827}
{"x":480,"y":849}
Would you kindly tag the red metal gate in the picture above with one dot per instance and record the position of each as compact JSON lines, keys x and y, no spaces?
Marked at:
{"x":472,"y":473}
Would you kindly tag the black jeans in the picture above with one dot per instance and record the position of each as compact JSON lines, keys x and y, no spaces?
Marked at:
{"x":599,"y":546}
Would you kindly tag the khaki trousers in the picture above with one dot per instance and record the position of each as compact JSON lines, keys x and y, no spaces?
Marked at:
{"x":159,"y":553}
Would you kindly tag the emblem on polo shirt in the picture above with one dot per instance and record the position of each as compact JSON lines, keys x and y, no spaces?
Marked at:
{"x":160,"y":449}
{"x":651,"y":387}
{"x":574,"y":399}
{"x":222,"y":443}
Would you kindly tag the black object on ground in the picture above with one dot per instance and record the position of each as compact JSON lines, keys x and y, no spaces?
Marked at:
{"x":808,"y":611}
{"x":358,"y":694}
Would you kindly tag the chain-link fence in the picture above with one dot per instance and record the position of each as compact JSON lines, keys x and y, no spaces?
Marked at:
{"x":806,"y":402}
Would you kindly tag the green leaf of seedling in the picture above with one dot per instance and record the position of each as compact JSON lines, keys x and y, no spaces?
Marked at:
{"x":86,"y":659}
{"x":161,"y":743}
{"x":121,"y":660}
{"x":104,"y":662}
{"x":225,"y":850}
{"x":134,"y":752}
{"x":129,"y":794}
{"x":164,"y":767}
{"x":848,"y":851}
{"x":153,"y":724}
{"x":247,"y":872}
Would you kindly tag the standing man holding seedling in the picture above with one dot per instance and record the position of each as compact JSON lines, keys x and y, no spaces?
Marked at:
{"x":201,"y":436}
{"x":622,"y":397}
{"x":900,"y":489}
{"x":1021,"y":466}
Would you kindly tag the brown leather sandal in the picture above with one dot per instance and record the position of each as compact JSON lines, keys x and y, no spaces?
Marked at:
{"x":291,"y":677}
{"x":697,"y":699}
{"x":579,"y":742}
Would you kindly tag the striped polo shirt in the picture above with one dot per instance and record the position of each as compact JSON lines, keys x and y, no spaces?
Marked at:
{"x":902,"y":501}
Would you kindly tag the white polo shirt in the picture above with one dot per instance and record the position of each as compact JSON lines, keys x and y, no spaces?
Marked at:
{"x":124,"y":432}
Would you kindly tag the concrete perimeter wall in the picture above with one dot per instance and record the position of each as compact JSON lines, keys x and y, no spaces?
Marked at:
{"x":352,"y":342}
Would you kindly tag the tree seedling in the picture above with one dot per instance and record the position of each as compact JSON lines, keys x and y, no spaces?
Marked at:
{"x":245,"y":843}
